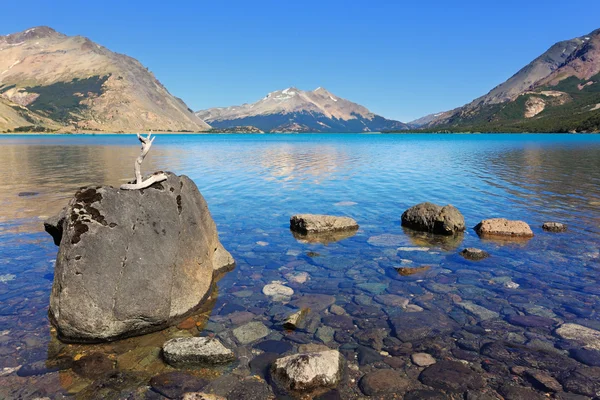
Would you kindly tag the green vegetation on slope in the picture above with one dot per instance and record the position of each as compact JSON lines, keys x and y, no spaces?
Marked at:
{"x":576,"y":110}
{"x":61,"y":101}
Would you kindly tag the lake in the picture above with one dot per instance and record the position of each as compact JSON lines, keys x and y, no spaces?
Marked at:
{"x":498,"y":315}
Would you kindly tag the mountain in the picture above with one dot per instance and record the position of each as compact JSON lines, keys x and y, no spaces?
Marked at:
{"x":293,"y":110}
{"x":54,"y":81}
{"x":557,"y":92}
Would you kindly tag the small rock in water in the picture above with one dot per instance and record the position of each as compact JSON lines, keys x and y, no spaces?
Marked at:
{"x":504,"y":228}
{"x":383,"y":381}
{"x":544,"y":380}
{"x":405,"y":271}
{"x":511,"y":285}
{"x":294,"y":320}
{"x":590,"y":338}
{"x":93,"y":365}
{"x":7,"y":278}
{"x":250,"y":332}
{"x":554,"y":227}
{"x":429,"y":217}
{"x":336,"y":310}
{"x":278,"y":291}
{"x":325,"y":334}
{"x":451,"y":376}
{"x":413,"y":249}
{"x":27,"y":194}
{"x":297,"y":277}
{"x":313,"y":223}
{"x":174,"y":384}
{"x":309,"y":371}
{"x":474,"y":254}
{"x":422,"y":359}
{"x":392,"y":300}
{"x":196,"y":351}
{"x":480,"y":312}
{"x":201,"y":396}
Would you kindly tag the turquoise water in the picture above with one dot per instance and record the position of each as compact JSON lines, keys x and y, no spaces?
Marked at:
{"x":254,"y":183}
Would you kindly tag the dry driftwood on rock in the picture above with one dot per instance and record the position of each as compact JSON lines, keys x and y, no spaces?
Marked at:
{"x":154,"y":178}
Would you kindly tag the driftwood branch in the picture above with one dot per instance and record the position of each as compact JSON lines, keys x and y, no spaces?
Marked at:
{"x":139,"y":182}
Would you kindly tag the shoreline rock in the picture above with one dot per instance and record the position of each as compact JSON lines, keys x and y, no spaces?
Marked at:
{"x":429,"y":217}
{"x":132,"y":262}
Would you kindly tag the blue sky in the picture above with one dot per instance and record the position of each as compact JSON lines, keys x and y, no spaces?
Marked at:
{"x":401,"y":59}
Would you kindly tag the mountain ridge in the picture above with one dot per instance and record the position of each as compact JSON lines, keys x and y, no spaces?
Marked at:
{"x":535,"y":98}
{"x":294,"y":110}
{"x":71,"y":83}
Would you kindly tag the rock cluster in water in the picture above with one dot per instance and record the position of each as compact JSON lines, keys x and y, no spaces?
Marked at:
{"x":132,"y":261}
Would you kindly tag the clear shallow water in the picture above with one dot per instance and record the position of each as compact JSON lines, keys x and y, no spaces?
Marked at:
{"x":253,"y":184}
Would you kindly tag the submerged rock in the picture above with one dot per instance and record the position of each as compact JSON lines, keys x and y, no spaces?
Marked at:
{"x":132,"y":261}
{"x":451,"y":376}
{"x":474,"y":254}
{"x":251,"y":332}
{"x":277,"y":291}
{"x":175,"y":384}
{"x":196,"y":351}
{"x":429,"y":217}
{"x":309,"y":371}
{"x":313,"y":223}
{"x":589,"y":338}
{"x":383,"y":381}
{"x":502,"y":227}
{"x":554,"y":227}
{"x":422,"y":359}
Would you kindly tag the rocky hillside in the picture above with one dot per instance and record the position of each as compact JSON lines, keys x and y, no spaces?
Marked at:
{"x":293,"y":110}
{"x":557,"y":92}
{"x":50,"y":80}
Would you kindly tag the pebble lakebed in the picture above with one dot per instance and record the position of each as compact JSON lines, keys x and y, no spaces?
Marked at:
{"x":489,"y":325}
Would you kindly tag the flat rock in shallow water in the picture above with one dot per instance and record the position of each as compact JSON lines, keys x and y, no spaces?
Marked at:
{"x":480,"y":312}
{"x":589,"y":338}
{"x":383,"y":381}
{"x":196,"y":351}
{"x":502,"y":227}
{"x":451,"y":376}
{"x":313,"y":223}
{"x":429,"y":217}
{"x":409,"y":326}
{"x":174,"y":384}
{"x":422,"y":359}
{"x":309,"y":371}
{"x":251,"y":332}
{"x":530,"y":321}
{"x":474,"y":254}
{"x":132,"y":261}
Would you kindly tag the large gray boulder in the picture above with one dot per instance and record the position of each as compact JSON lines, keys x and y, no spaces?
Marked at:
{"x":132,"y":261}
{"x":429,"y":217}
